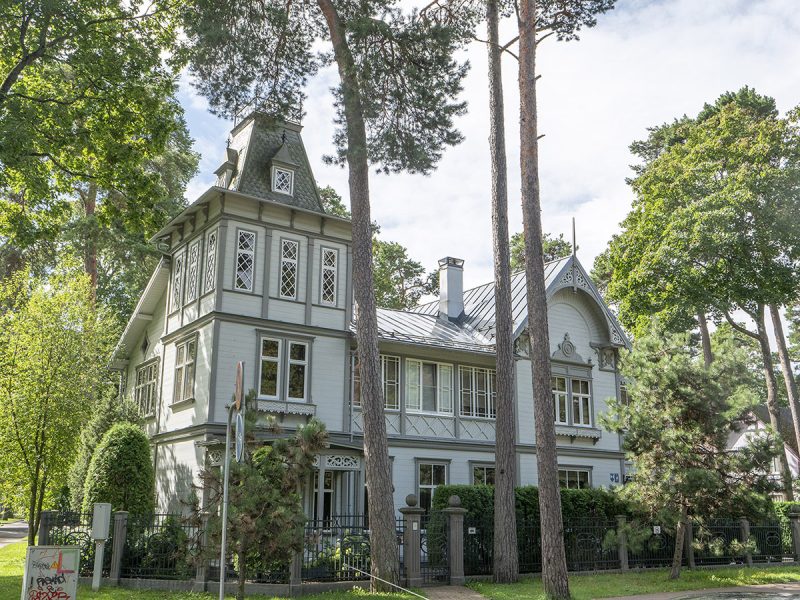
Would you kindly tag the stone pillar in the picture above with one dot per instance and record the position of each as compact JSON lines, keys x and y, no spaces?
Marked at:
{"x":622,"y":541}
{"x":46,"y":522}
{"x":412,"y":520}
{"x":744,"y":527}
{"x":688,"y":538}
{"x":455,"y":540}
{"x":296,"y":574}
{"x":201,"y":568}
{"x":118,"y":545}
{"x":794,"y":521}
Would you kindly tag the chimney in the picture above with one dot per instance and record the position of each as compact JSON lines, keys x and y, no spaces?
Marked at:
{"x":451,"y":287}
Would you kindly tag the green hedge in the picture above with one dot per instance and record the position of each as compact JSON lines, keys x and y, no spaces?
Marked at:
{"x":595,"y":503}
{"x":121,"y":471}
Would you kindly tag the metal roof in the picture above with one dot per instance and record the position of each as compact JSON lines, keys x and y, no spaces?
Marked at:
{"x":429,"y":330}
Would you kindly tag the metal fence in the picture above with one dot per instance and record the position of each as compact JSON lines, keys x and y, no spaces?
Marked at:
{"x":336,"y":549}
{"x":433,"y":543}
{"x":478,"y":544}
{"x":160,"y":546}
{"x":773,"y":542}
{"x":655,"y":551}
{"x":589,"y":547}
{"x":718,"y":542}
{"x":75,"y":529}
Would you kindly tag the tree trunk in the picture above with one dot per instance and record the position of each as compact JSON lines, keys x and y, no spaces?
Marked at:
{"x":242,"y":576}
{"x":786,"y":367}
{"x":772,"y":399}
{"x":554,"y":564}
{"x":705,"y":339}
{"x":90,"y":251}
{"x":506,"y":559}
{"x":383,"y":538}
{"x":680,"y":535}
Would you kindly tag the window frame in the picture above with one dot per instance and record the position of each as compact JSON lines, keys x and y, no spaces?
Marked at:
{"x":588,"y":410}
{"x":484,"y":466}
{"x":322,"y":270}
{"x":562,"y":394}
{"x":491,"y":392}
{"x":274,"y":178}
{"x":177,"y":281}
{"x":292,"y":361}
{"x":150,"y":365}
{"x":355,"y":399}
{"x":283,"y":363}
{"x":570,"y":397}
{"x":295,"y":261}
{"x":241,"y":251}
{"x":210,"y":263}
{"x":419,"y":386}
{"x":574,"y":469}
{"x":278,"y":362}
{"x":187,"y":362}
{"x":191,"y":291}
{"x":420,"y":462}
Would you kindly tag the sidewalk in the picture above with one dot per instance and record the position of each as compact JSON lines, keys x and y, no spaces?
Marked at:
{"x":13,"y":532}
{"x":777,"y":588}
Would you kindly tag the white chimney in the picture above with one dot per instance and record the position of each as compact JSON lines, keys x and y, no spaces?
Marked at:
{"x":451,"y":287}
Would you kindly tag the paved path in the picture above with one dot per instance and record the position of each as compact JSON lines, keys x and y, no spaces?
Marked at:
{"x":13,"y":532}
{"x":778,"y":588}
{"x":452,"y":592}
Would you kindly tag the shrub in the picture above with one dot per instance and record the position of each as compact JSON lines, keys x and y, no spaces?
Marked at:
{"x":478,"y":500}
{"x":121,"y":472}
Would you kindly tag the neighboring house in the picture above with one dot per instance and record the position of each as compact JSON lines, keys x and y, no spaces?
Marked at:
{"x":755,"y":426}
{"x":255,"y":270}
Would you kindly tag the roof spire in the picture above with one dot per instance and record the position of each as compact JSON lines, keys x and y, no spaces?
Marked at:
{"x":574,"y":247}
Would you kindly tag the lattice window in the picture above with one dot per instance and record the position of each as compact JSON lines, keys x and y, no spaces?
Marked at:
{"x":144,"y":392}
{"x":211,"y":262}
{"x":390,"y":378}
{"x":282,"y":180}
{"x":245,"y":260}
{"x":328,"y":276}
{"x":192,"y":272}
{"x":177,"y":282}
{"x":184,"y":370}
{"x":477,"y":392}
{"x":290,"y":251}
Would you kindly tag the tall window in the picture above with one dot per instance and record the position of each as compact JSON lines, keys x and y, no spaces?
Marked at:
{"x":270,"y":367}
{"x":390,"y":378}
{"x":192,"y":271}
{"x":581,"y":402}
{"x":559,"y":388}
{"x":482,"y":475}
{"x":328,"y":276}
{"x":282,"y":180}
{"x":477,"y":392}
{"x":431,"y":476}
{"x":429,"y":387}
{"x":624,"y":399}
{"x":327,"y":495}
{"x":144,"y":392}
{"x":177,"y":282}
{"x":298,"y":367}
{"x":245,"y":260}
{"x":211,"y":262}
{"x":290,"y":251}
{"x":184,"y":371}
{"x":575,"y":479}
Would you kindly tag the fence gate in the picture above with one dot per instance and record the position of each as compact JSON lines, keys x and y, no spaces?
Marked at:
{"x":434,"y":565}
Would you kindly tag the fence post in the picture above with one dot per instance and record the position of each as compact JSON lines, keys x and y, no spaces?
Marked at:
{"x":412,"y":516}
{"x":118,"y":545}
{"x":744,"y":526}
{"x":296,"y":574}
{"x":622,"y":541}
{"x":794,"y":520}
{"x":455,"y":540}
{"x":688,"y":544}
{"x":46,"y":522}
{"x":201,"y":568}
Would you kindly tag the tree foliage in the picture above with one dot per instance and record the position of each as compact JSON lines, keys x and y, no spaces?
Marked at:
{"x":53,"y":351}
{"x":121,"y":471}
{"x":676,"y":425}
{"x":553,"y":248}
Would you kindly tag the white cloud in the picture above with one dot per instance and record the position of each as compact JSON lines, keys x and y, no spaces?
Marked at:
{"x":645,"y":63}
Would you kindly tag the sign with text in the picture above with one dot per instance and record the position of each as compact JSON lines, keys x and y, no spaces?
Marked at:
{"x":51,"y":573}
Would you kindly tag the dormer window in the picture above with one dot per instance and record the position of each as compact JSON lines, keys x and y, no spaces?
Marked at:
{"x":282,"y":180}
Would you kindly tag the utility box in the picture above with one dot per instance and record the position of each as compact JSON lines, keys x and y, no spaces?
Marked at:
{"x":101,"y":520}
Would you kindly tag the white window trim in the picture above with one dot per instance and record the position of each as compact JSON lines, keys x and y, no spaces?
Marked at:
{"x":153,"y":364}
{"x":491,"y":393}
{"x":210,"y":264}
{"x":480,"y":465}
{"x":277,"y":360}
{"x":296,"y":262}
{"x":252,"y":253}
{"x":575,"y":469}
{"x":275,"y":170}
{"x":191,"y":291}
{"x":322,"y":269}
{"x":188,"y":362}
{"x":438,"y":410}
{"x":356,"y":377}
{"x":580,"y":396}
{"x":289,"y":362}
{"x":565,"y":393}
{"x":178,"y":273}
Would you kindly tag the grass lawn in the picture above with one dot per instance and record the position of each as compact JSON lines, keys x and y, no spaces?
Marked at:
{"x":12,"y":559}
{"x":585,"y":587}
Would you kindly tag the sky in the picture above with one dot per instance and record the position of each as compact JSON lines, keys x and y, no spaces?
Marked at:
{"x":645,"y":63}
